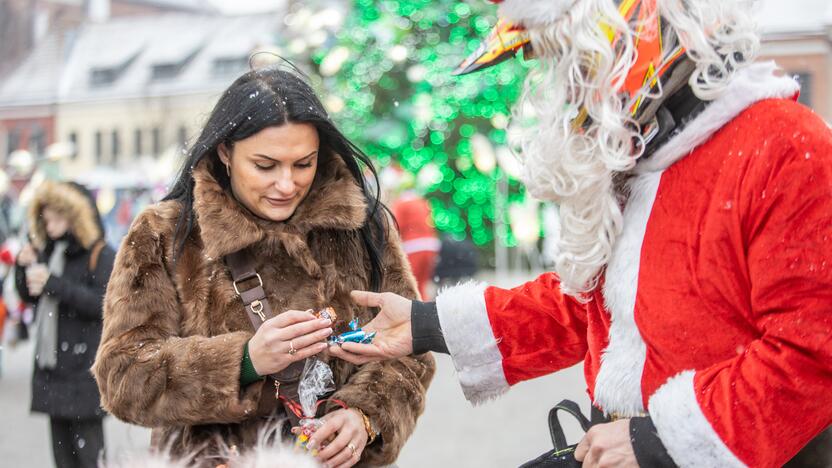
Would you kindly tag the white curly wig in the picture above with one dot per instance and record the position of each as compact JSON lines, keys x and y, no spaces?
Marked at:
{"x":581,"y":69}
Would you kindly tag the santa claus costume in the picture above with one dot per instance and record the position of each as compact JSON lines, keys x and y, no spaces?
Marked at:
{"x":694,"y":280}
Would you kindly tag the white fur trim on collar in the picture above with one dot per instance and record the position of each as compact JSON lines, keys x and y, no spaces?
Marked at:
{"x":532,"y":13}
{"x":750,"y":85}
{"x":684,"y":430}
{"x":471,"y":343}
{"x":618,"y":386}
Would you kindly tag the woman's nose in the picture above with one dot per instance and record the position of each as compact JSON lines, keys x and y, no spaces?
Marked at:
{"x":285,"y":184}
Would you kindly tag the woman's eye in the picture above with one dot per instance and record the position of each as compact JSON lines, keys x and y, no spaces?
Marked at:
{"x":304,"y":165}
{"x":264,"y":168}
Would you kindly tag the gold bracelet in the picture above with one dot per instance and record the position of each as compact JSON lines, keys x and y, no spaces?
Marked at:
{"x":368,"y":426}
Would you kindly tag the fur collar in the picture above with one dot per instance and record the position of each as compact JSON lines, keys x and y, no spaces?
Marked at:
{"x":750,"y":85}
{"x":335,"y":201}
{"x":71,"y":203}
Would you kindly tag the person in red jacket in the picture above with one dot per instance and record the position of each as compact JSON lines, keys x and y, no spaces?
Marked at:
{"x":415,"y":221}
{"x":694,"y":278}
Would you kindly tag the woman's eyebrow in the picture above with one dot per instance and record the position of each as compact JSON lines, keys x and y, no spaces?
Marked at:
{"x":277,"y":161}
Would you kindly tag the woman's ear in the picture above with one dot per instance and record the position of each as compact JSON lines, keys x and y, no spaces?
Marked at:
{"x":224,"y":153}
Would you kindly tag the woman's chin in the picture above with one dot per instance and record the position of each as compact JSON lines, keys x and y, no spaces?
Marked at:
{"x":277,"y":214}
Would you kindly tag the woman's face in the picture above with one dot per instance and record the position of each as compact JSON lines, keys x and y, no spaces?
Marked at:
{"x":272,"y":170}
{"x":56,"y":224}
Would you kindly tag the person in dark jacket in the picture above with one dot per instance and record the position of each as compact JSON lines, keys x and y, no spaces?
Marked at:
{"x":64,"y":273}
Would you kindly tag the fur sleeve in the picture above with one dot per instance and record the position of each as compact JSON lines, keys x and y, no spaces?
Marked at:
{"x":391,"y":393}
{"x":146,"y":373}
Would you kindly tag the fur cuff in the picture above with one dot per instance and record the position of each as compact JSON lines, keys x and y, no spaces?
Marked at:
{"x":686,"y":433}
{"x":533,"y":13}
{"x":470,"y":340}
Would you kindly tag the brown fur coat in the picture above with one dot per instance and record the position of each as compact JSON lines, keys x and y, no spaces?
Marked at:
{"x":174,"y":332}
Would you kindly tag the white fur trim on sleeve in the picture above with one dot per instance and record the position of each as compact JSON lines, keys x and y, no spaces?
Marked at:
{"x":470,"y":340}
{"x":531,"y":13}
{"x":683,"y":429}
{"x":750,"y":85}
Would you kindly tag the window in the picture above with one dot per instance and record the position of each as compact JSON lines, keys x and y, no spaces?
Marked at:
{"x":182,"y":137}
{"x":99,"y":147}
{"x":115,"y":146}
{"x":137,"y":142}
{"x":73,"y":140}
{"x":225,"y":66}
{"x":805,"y":80}
{"x":165,"y":71}
{"x":37,"y":141}
{"x":157,"y":141}
{"x":13,"y":142}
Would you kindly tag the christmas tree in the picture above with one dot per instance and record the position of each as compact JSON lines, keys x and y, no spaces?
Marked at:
{"x":388,"y":84}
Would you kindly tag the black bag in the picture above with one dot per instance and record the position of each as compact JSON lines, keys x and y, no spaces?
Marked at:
{"x":563,"y":455}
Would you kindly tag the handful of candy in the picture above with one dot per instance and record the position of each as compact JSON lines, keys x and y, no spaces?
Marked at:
{"x":355,"y":335}
{"x":308,"y":426}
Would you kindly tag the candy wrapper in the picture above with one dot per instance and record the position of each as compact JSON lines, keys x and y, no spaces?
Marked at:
{"x":355,"y":335}
{"x":327,"y":313}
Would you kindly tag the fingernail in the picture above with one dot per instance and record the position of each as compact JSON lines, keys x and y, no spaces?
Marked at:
{"x":311,"y":445}
{"x":326,"y":331}
{"x":326,"y":321}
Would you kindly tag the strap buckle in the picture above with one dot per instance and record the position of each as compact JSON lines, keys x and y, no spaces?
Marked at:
{"x":237,"y":290}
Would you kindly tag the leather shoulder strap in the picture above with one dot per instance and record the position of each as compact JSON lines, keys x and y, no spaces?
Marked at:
{"x":258,"y":309}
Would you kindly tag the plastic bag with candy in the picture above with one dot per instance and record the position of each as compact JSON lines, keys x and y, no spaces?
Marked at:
{"x":315,"y":381}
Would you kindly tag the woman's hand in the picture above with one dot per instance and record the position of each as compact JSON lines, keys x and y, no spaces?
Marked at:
{"x":291,"y":336}
{"x":347,"y":426}
{"x":394,"y":337}
{"x":36,"y":277}
{"x":27,"y":256}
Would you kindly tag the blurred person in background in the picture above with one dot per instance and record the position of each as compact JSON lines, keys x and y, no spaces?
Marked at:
{"x":273,"y":180}
{"x":413,"y":216}
{"x":693,"y":273}
{"x":458,"y":261}
{"x":64,"y":272}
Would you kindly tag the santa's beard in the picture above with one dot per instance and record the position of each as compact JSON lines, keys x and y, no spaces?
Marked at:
{"x":576,"y":167}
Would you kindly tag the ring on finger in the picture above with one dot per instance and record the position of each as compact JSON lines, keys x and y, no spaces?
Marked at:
{"x":292,"y":349}
{"x":354,"y":450}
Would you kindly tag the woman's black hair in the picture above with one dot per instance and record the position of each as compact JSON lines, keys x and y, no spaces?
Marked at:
{"x":272,"y":97}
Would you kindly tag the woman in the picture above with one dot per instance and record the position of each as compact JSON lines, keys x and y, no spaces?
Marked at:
{"x":64,"y":271}
{"x":269,"y":175}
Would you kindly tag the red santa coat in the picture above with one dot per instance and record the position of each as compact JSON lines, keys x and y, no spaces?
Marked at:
{"x":715,"y":310}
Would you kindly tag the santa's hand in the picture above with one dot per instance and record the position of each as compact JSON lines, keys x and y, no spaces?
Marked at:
{"x":393,"y":339}
{"x":607,"y":445}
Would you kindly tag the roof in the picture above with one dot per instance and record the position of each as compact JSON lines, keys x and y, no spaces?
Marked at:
{"x":159,"y":55}
{"x":795,"y":16}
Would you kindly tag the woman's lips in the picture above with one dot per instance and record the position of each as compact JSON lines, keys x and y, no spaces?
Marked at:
{"x":279,"y":201}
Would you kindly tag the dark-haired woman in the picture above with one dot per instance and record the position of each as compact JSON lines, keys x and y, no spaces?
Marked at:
{"x":272,"y":176}
{"x":64,"y":272}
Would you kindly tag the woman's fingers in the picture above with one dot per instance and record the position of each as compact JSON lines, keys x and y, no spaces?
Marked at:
{"x":291,"y":317}
{"x":313,"y":338}
{"x":300,"y":329}
{"x":323,"y":433}
{"x":308,"y":351}
{"x":335,"y":447}
{"x":346,"y":457}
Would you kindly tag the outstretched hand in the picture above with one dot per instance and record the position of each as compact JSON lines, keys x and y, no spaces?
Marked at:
{"x":394,"y":338}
